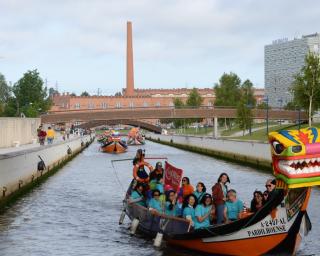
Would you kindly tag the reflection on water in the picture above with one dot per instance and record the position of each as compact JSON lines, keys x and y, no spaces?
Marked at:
{"x":76,"y":211}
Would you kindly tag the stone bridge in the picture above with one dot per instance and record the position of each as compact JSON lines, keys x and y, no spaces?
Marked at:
{"x":127,"y":115}
{"x":145,"y":125}
{"x":166,"y":113}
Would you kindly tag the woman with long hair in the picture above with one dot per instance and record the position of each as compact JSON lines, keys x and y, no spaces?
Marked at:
{"x":219,"y":196}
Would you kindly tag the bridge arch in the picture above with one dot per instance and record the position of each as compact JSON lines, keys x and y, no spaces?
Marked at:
{"x":144,"y":125}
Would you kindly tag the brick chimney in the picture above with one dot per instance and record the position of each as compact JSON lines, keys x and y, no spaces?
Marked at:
{"x":130,"y":78}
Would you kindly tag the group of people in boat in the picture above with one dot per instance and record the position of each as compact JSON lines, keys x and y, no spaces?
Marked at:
{"x":196,"y":205}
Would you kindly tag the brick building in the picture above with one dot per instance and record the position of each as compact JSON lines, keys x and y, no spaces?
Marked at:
{"x":131,"y":97}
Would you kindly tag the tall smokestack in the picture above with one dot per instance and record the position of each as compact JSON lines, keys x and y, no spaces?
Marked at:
{"x":130,"y":78}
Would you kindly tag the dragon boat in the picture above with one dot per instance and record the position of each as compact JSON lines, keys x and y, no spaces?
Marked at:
{"x":135,"y":137}
{"x":275,"y":229}
{"x":114,"y":144}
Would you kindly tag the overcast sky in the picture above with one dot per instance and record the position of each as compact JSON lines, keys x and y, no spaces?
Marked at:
{"x":81,"y":44}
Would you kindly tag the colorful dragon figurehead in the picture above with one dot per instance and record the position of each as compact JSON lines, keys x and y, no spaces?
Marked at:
{"x":296,"y":156}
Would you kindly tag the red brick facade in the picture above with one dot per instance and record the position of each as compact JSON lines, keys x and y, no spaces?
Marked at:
{"x":142,"y":98}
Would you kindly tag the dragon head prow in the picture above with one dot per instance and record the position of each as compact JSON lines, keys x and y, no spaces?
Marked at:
{"x":296,"y":156}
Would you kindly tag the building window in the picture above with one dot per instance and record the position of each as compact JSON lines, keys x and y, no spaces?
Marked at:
{"x":131,"y":105}
{"x":91,"y":105}
{"x":145,"y":104}
{"x":209,"y":104}
{"x":118,"y":105}
{"x":77,"y":106}
{"x":157,"y":104}
{"x":104,"y":105}
{"x":171,"y":104}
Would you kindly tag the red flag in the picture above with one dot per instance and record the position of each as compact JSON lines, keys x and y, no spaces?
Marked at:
{"x":172,"y":177}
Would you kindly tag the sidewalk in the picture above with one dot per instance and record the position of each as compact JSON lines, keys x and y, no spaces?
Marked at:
{"x":4,"y":151}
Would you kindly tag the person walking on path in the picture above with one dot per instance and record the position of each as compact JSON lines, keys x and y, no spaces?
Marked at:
{"x":50,"y":135}
{"x":41,"y":135}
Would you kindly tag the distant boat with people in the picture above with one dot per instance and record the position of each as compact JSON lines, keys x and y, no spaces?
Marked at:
{"x":276,"y":227}
{"x":135,"y":137}
{"x":112,"y":142}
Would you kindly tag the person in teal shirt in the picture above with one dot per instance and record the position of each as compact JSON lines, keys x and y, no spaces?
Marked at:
{"x":200,"y":191}
{"x":189,"y":209}
{"x":203,"y":212}
{"x":233,"y":206}
{"x":155,"y":202}
{"x":171,"y":203}
{"x":137,"y":195}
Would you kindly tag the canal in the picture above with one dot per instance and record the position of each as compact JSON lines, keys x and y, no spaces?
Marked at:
{"x":76,"y":211}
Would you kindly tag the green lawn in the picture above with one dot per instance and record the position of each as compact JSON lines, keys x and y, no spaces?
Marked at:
{"x":193,"y":131}
{"x":237,"y":129}
{"x":261,"y":135}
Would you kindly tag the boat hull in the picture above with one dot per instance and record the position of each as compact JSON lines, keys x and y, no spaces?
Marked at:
{"x":114,"y":147}
{"x":275,"y":229}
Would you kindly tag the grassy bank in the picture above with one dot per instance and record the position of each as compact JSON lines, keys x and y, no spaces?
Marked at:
{"x":261,"y":135}
{"x":192,"y":131}
{"x":236,"y":129}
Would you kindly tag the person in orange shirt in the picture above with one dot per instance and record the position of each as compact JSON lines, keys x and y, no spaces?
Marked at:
{"x":187,"y":188}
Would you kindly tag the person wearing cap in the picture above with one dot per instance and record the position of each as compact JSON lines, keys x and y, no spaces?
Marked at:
{"x":157,"y":173}
{"x":219,"y":196}
{"x":233,"y":207}
{"x":203,"y":212}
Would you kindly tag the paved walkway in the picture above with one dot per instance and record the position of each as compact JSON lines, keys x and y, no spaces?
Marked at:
{"x":59,"y":139}
{"x":240,"y":133}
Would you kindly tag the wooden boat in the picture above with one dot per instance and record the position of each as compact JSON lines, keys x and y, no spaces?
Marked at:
{"x":135,"y":137}
{"x":277,"y":228}
{"x":114,"y":145}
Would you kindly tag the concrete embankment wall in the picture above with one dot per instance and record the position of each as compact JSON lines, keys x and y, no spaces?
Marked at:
{"x":254,"y":154}
{"x":13,"y":129}
{"x":19,"y":170}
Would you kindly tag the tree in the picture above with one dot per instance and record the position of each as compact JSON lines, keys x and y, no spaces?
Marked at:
{"x":30,"y":96}
{"x":263,"y":105}
{"x":195,"y":101}
{"x":247,"y":101}
{"x":178,"y":103}
{"x":227,"y":93}
{"x":5,"y":92}
{"x":85,"y":94}
{"x":306,"y":86}
{"x":194,"y":98}
{"x":52,"y":91}
{"x":290,"y":106}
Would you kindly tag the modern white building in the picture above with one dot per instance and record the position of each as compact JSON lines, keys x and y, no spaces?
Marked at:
{"x":283,"y":59}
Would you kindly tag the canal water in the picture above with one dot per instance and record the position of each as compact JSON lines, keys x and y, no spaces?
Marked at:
{"x":76,"y":211}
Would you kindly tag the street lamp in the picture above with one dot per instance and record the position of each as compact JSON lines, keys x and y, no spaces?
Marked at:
{"x":266,"y":100}
{"x":249,"y":106}
{"x":280,"y":104}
